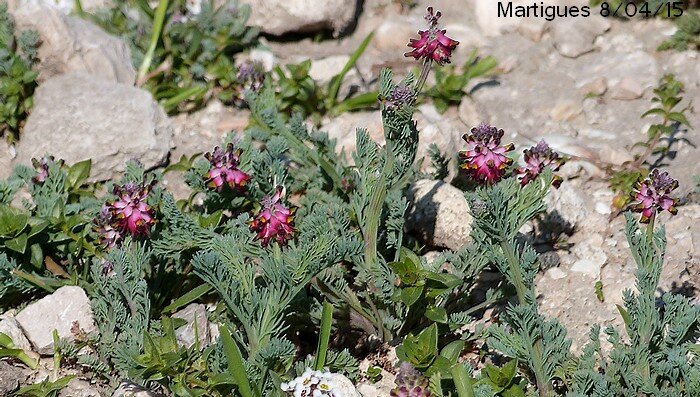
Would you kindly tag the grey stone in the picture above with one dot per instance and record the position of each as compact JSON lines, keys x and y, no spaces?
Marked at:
{"x":7,"y":153}
{"x":597,"y":86}
{"x":556,"y":273}
{"x":590,"y":256}
{"x":323,"y":70}
{"x":10,"y":327}
{"x":575,"y":37}
{"x":566,"y":111}
{"x":130,"y":389}
{"x":10,"y":378}
{"x":80,"y":388}
{"x":627,"y":89}
{"x":393,"y":34}
{"x":439,"y":214}
{"x":187,"y":334}
{"x":278,"y":17}
{"x":343,"y":129}
{"x":64,"y":6}
{"x":342,"y":386}
{"x":72,"y":44}
{"x":441,"y":130}
{"x":490,"y":23}
{"x":615,"y":67}
{"x":469,"y":114}
{"x":567,"y":207}
{"x":58,"y":311}
{"x":533,"y":28}
{"x":78,"y":116}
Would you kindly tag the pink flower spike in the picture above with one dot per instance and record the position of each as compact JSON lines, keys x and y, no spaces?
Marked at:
{"x":129,"y":214}
{"x":537,"y":158}
{"x":433,"y":44}
{"x":652,"y":195}
{"x":275,"y":221}
{"x":224,"y":170}
{"x":485,"y":159}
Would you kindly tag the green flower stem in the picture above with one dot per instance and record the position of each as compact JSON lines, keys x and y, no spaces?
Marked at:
{"x":425,"y":71}
{"x":650,"y":230}
{"x":536,"y":352}
{"x":373,"y":217}
{"x":515,"y":272}
{"x":158,"y":22}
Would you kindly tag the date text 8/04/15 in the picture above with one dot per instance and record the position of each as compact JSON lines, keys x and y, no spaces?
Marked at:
{"x":629,"y":9}
{"x":540,"y":10}
{"x":621,"y":9}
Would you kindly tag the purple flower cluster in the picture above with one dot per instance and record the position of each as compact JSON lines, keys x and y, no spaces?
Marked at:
{"x":410,"y":383}
{"x":224,"y":170}
{"x":402,"y":95}
{"x":433,"y":44}
{"x":129,"y":214}
{"x":250,"y":77}
{"x":274,"y":221}
{"x":537,"y":158}
{"x":485,"y":159}
{"x":653,"y":195}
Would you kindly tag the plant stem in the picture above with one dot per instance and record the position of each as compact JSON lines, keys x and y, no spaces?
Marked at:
{"x":650,"y":149}
{"x":425,"y":71}
{"x":650,"y":229}
{"x":514,"y":268}
{"x":373,"y":217}
{"x":543,"y":386}
{"x":158,"y":22}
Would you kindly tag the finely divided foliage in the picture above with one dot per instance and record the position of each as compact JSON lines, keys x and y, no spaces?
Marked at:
{"x":282,"y":237}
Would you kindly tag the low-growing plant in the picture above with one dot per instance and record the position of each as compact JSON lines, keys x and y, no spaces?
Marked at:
{"x":8,"y":349}
{"x":17,"y":78}
{"x":657,"y":357}
{"x":660,"y":138}
{"x":290,"y":244}
{"x":451,"y":82}
{"x":298,"y":92}
{"x":687,"y":37}
{"x":184,"y":57}
{"x":45,"y":240}
{"x":45,"y":388}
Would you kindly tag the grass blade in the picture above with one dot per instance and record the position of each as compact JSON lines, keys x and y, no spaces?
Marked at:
{"x":188,"y":298}
{"x":324,"y":336}
{"x":236,"y":365}
{"x":337,"y":80}
{"x":158,"y":23}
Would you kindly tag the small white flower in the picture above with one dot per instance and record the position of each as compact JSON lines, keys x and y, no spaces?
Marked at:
{"x":311,"y":384}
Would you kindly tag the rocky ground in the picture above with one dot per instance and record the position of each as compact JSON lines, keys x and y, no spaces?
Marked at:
{"x":581,"y":84}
